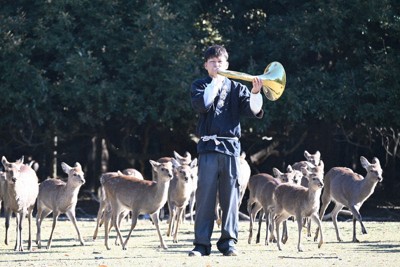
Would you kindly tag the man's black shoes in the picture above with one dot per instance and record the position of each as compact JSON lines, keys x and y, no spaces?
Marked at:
{"x":199,"y":251}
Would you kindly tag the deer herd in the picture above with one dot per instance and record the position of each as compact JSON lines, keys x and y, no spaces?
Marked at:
{"x":302,"y":193}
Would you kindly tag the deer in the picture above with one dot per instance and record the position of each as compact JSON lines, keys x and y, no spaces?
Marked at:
{"x":187,"y":159}
{"x":2,"y":187}
{"x":22,"y":188}
{"x":179,"y":194}
{"x":261,"y":187}
{"x":315,"y":160}
{"x":299,"y":201}
{"x":349,"y":189}
{"x":125,"y":193}
{"x":102,"y":197}
{"x":59,"y":197}
{"x":183,"y":160}
{"x":132,"y":172}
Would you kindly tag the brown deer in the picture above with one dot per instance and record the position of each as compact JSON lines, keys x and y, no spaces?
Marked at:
{"x":261,"y":187}
{"x":59,"y":197}
{"x":125,"y":193}
{"x":315,"y":160}
{"x":179,"y":192}
{"x":299,"y":201}
{"x":349,"y":189}
{"x":183,"y":160}
{"x":21,"y":193}
{"x":2,"y":187}
{"x":102,"y":198}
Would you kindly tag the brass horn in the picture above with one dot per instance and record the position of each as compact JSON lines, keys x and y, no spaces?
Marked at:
{"x":273,"y":79}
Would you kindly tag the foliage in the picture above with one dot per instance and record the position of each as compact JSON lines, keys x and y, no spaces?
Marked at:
{"x":121,"y":70}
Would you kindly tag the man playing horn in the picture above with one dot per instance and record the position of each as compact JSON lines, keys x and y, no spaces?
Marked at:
{"x":220,"y":102}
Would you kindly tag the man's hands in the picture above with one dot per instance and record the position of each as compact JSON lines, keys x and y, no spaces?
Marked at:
{"x":257,"y":85}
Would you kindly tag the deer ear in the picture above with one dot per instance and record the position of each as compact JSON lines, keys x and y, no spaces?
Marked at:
{"x":306,"y":154}
{"x":193,"y":163}
{"x":154,"y":163}
{"x":375,"y":160}
{"x":188,"y":155}
{"x":21,"y":160}
{"x":4,"y":161}
{"x":175,"y":163}
{"x":289,"y":168}
{"x":364,"y":162}
{"x":177,"y":156}
{"x":65,"y":167}
{"x":277,"y":173}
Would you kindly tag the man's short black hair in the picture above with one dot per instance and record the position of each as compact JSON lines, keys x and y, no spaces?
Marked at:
{"x":215,"y":51}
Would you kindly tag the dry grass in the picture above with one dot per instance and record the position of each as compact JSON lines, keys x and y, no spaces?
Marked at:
{"x":380,"y":247}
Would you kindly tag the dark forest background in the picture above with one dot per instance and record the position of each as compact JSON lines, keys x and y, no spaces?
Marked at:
{"x":106,"y":82}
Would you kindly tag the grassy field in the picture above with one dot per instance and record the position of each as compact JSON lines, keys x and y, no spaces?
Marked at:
{"x":380,"y":247}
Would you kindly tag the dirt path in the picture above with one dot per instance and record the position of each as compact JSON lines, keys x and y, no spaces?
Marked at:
{"x":380,"y":247}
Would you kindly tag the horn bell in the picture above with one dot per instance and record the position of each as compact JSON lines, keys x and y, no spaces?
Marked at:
{"x":273,"y":79}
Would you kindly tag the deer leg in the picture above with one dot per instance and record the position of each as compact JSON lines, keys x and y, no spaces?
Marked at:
{"x":41,"y":214}
{"x":7,"y":224}
{"x":278,"y":220}
{"x":55,"y":217}
{"x":178,"y":220}
{"x":171,"y":220}
{"x":249,"y":211}
{"x":334,"y":215}
{"x":115,"y":222}
{"x":354,"y":230}
{"x":260,"y":221}
{"x":268,"y":234}
{"x":18,"y":240}
{"x":30,"y":230}
{"x":357,"y":217}
{"x":253,"y":213}
{"x":270,"y":226}
{"x":314,"y":217}
{"x":191,"y":206}
{"x":308,"y":220}
{"x":154,"y":216}
{"x":99,"y":219}
{"x":218,"y":213}
{"x":107,"y":214}
{"x":325,"y":199}
{"x":38,"y":213}
{"x":300,"y":228}
{"x":122,"y":215}
{"x":71,"y":216}
{"x":284,"y":232}
{"x":135,"y":216}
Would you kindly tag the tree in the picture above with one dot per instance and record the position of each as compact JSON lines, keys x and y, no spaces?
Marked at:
{"x":114,"y":76}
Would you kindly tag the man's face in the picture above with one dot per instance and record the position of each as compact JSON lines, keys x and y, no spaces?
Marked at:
{"x":212,"y":65}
